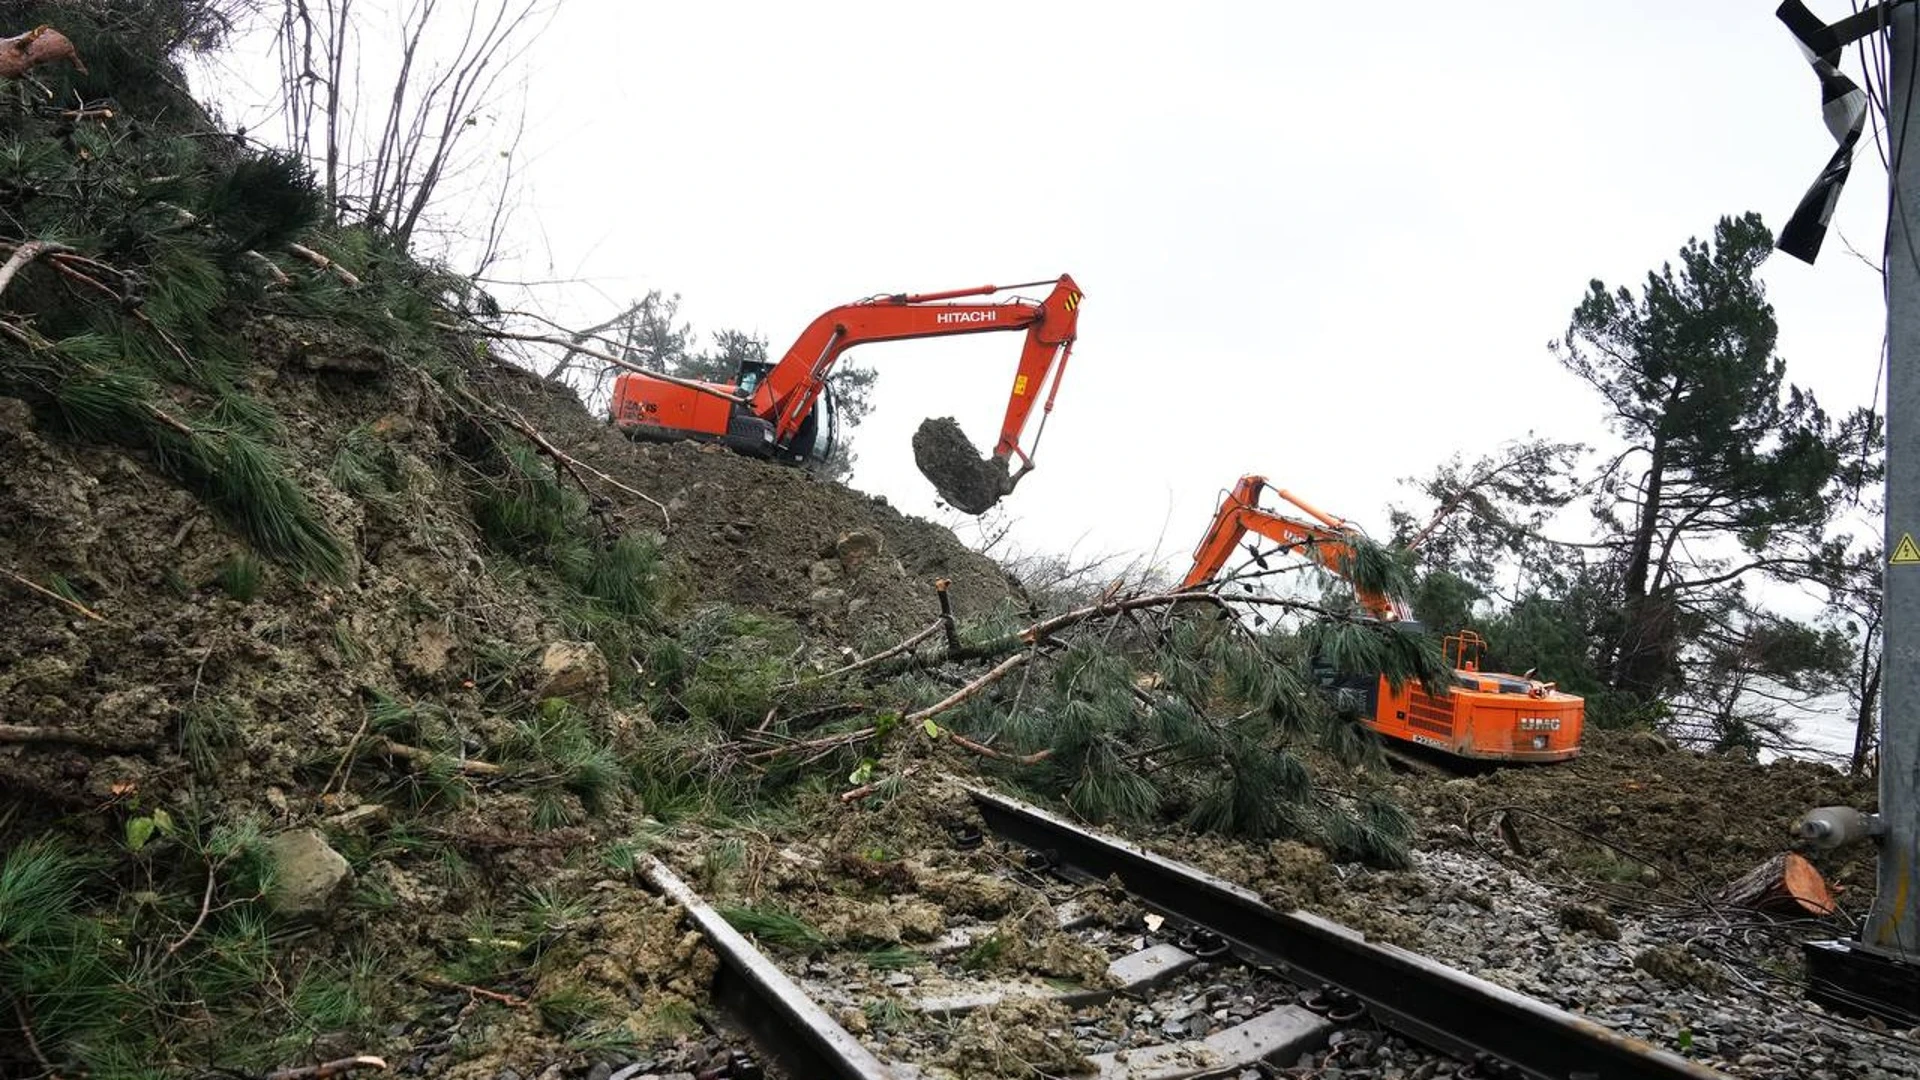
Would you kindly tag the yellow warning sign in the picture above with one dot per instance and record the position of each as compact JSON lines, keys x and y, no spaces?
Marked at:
{"x":1906,"y":551}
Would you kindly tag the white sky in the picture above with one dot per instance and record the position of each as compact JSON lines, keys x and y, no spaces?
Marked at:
{"x":1326,"y":242}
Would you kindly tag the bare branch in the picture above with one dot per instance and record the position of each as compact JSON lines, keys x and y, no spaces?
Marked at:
{"x":54,"y":596}
{"x":26,"y":253}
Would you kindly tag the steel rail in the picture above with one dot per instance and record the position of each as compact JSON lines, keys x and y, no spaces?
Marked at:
{"x":1432,"y":1004}
{"x":783,"y":1021}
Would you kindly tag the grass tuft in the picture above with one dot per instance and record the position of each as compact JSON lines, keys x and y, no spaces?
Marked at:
{"x":240,"y":577}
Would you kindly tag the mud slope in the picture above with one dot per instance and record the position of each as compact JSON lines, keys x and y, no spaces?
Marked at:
{"x":768,"y":537}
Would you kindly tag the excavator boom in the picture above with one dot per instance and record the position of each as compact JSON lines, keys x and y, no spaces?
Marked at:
{"x":789,"y":391}
{"x":1327,"y":541}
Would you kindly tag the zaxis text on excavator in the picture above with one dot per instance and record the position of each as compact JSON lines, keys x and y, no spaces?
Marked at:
{"x":783,"y":410}
{"x":1484,"y":715}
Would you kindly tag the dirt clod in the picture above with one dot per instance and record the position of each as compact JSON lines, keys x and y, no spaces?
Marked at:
{"x":1019,"y":1037}
{"x":1673,"y":964}
{"x":970,"y":483}
{"x":1591,"y":919}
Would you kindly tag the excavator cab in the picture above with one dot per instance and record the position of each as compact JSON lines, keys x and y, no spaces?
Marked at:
{"x":750,"y":374}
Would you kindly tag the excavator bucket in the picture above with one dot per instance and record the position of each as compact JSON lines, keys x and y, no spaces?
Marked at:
{"x":968,"y":482}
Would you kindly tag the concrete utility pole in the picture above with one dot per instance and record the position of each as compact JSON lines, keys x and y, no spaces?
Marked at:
{"x":1880,"y":973}
{"x":1894,"y":922}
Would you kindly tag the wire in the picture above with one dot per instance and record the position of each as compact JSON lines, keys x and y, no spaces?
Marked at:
{"x":1896,"y":207}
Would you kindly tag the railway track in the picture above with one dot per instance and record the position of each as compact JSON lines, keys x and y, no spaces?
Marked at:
{"x":1207,"y":981}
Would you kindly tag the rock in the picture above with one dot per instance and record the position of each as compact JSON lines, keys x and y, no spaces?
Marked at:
{"x":574,"y":670}
{"x":427,"y":655}
{"x":855,"y":549}
{"x":827,"y":601}
{"x":307,"y":874}
{"x":1591,"y":919}
{"x":600,"y":1071}
{"x":1647,"y":744}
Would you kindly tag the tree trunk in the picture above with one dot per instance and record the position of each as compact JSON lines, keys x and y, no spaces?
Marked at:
{"x":1640,"y":558}
{"x":1647,"y":625}
{"x":1865,"y":725}
{"x":1786,"y":884}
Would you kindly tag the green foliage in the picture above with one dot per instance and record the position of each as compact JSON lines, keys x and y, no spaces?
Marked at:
{"x":624,"y":577}
{"x":1210,"y":733}
{"x":148,"y":353}
{"x":776,"y":926}
{"x":892,"y":958}
{"x":723,"y":666}
{"x":240,"y":478}
{"x":984,"y":953}
{"x":1377,"y":832}
{"x":558,"y":751}
{"x":264,"y":202}
{"x":885,"y":1013}
{"x":365,"y":466}
{"x":240,"y":577}
{"x":571,"y":1009}
{"x":54,"y":960}
{"x":333,"y":997}
{"x":611,"y":584}
{"x":1726,"y":462}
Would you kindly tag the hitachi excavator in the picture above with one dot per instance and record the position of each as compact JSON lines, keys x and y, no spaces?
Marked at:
{"x":1484,"y":715}
{"x":777,"y":410}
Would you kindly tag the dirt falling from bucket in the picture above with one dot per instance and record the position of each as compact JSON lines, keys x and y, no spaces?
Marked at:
{"x":968,"y":482}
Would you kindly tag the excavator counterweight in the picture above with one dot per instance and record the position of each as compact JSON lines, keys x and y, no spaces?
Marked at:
{"x":1483,"y":715}
{"x":775,"y":410}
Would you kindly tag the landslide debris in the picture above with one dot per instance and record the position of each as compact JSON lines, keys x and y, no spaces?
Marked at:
{"x":970,"y":482}
{"x":774,"y":539}
{"x":1637,"y":817}
{"x":333,"y":710}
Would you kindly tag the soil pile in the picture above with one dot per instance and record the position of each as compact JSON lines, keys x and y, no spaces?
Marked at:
{"x":969,"y":482}
{"x":773,"y":538}
{"x":1635,"y":813}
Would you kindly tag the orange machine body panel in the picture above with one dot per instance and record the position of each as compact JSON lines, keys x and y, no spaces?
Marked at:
{"x":1489,"y":715}
{"x":641,"y":402}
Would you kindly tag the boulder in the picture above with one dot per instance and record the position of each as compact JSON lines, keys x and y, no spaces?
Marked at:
{"x":307,"y":874}
{"x":574,"y":670}
{"x":856,"y":548}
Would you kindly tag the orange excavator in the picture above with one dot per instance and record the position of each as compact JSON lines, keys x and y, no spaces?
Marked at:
{"x":781,"y":410}
{"x":1484,"y":715}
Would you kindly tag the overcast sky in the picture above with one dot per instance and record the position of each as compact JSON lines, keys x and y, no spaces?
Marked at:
{"x":1324,"y":242}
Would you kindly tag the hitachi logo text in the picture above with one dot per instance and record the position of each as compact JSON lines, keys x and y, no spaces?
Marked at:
{"x":966,"y":316}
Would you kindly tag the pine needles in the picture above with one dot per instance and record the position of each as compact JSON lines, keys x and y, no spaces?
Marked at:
{"x":55,"y":965}
{"x":776,"y":926}
{"x":139,"y":345}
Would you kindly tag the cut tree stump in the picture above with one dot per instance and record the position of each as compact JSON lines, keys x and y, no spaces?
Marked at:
{"x":1786,"y":884}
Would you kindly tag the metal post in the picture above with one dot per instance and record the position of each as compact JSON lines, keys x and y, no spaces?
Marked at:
{"x":1893,"y":923}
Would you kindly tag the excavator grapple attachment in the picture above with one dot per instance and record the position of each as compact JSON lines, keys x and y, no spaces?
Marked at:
{"x":970,"y":483}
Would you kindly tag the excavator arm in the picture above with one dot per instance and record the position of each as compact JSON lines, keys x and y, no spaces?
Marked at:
{"x":1326,"y":540}
{"x":789,"y":391}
